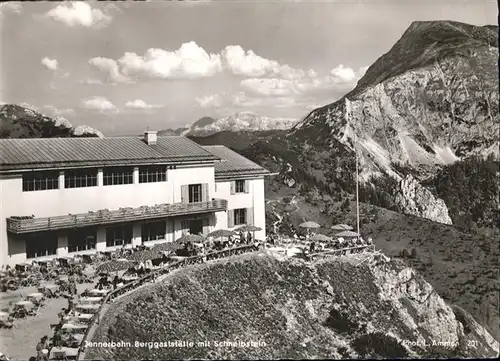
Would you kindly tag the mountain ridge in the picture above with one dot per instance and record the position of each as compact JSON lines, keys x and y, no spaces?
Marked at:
{"x":382,"y":97}
{"x":238,"y":122}
{"x":20,"y":122}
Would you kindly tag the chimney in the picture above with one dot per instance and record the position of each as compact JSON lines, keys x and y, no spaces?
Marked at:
{"x":150,"y":137}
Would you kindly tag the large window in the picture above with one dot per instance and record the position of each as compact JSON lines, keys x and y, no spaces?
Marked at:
{"x":40,"y":245}
{"x":82,"y":239}
{"x":39,"y":181}
{"x":193,"y":226}
{"x":118,"y":235}
{"x":194,"y":193}
{"x":80,"y":178}
{"x":118,"y":175}
{"x":153,"y":231}
{"x":239,"y":186}
{"x":240,"y":216}
{"x":152,"y":174}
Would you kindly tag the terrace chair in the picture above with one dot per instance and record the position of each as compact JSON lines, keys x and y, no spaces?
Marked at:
{"x":59,"y":355}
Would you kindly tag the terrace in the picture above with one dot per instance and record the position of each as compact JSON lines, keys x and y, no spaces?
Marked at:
{"x":21,"y":225}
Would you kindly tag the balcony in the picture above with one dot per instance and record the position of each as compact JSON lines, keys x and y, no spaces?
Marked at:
{"x":20,"y":225}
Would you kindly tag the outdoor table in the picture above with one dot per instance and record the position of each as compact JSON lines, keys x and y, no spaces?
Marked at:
{"x":73,"y":326}
{"x":85,"y":317}
{"x":35,"y":295}
{"x":4,"y":317}
{"x":130,"y":278}
{"x":90,"y":300}
{"x":59,"y":352}
{"x":25,"y":304}
{"x":98,"y":292}
{"x":88,"y":308}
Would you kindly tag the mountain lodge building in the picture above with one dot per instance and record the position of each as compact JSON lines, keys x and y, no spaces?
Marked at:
{"x":65,"y":196}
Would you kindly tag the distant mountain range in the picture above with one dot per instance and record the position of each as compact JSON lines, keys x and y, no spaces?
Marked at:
{"x":239,"y":122}
{"x":20,"y":122}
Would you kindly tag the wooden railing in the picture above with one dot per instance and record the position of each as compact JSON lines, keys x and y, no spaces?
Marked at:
{"x":343,"y":251}
{"x":155,"y":274}
{"x":20,"y":225}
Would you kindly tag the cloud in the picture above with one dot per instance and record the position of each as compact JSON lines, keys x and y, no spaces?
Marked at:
{"x":211,"y":101}
{"x":110,"y":68}
{"x":141,"y":104}
{"x":79,"y":13}
{"x":50,"y":64}
{"x":192,"y":61}
{"x":98,"y":103}
{"x":189,"y":61}
{"x":264,"y":78}
{"x":242,"y":100}
{"x":340,"y":79}
{"x":343,"y":74}
{"x":29,"y":106}
{"x":313,"y":106}
{"x":270,"y":86}
{"x":91,"y":82}
{"x":11,"y":6}
{"x":58,"y":111}
{"x":249,"y":64}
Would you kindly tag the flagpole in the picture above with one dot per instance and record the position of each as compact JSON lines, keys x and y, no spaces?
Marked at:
{"x":357,"y":192}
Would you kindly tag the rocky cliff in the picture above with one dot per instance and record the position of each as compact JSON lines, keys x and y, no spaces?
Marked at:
{"x":414,"y":199}
{"x":431,"y":100}
{"x":20,"y":122}
{"x":342,"y":308}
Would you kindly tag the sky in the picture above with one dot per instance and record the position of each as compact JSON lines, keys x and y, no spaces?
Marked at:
{"x":124,"y":67}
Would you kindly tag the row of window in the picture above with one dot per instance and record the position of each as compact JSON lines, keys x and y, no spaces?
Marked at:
{"x":38,"y":181}
{"x":86,"y":239}
{"x":45,"y":244}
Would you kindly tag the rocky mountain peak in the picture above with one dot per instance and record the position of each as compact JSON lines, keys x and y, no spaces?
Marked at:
{"x":423,"y":43}
{"x":431,"y":100}
{"x":202,"y":122}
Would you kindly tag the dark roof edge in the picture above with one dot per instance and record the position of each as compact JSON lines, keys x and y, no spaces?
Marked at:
{"x":231,"y":175}
{"x":109,"y":163}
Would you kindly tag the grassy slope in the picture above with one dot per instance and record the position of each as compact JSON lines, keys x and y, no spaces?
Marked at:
{"x":329,"y":310}
{"x":236,"y":140}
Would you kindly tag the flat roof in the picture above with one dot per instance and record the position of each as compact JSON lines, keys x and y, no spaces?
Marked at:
{"x":40,"y":153}
{"x":233,"y":164}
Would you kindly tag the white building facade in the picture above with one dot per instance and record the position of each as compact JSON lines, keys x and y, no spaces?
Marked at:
{"x":67,"y":196}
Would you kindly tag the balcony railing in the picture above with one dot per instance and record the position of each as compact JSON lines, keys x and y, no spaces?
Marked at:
{"x":18,"y":225}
